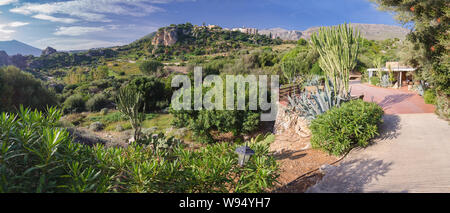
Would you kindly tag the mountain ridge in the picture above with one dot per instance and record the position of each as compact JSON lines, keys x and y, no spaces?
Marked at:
{"x":14,"y":47}
{"x":368,"y":31}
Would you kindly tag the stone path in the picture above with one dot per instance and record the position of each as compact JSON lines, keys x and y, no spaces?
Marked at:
{"x":412,"y":154}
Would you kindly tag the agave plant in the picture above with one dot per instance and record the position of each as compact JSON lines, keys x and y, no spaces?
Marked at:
{"x":310,"y":105}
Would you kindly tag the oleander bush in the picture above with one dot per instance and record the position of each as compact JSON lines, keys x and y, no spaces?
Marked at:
{"x":340,"y":129}
{"x":36,"y":156}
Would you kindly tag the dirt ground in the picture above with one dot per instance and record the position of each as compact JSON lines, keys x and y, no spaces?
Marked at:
{"x":299,"y":163}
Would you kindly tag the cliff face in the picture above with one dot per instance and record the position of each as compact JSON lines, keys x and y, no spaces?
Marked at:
{"x":282,"y":34}
{"x":166,"y":37}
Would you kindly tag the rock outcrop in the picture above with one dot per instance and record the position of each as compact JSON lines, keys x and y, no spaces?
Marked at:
{"x":19,"y":61}
{"x":165,"y":37}
{"x":168,"y":36}
{"x":4,"y":58}
{"x":48,"y":51}
{"x":291,"y":35}
{"x":368,"y":31}
{"x":288,"y":122}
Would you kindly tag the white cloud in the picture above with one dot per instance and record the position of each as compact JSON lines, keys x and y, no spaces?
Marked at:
{"x":55,"y":19}
{"x":6,"y":31}
{"x":6,"y":2}
{"x":17,"y":24}
{"x":77,"y":30}
{"x":92,"y":10}
{"x":74,"y":43}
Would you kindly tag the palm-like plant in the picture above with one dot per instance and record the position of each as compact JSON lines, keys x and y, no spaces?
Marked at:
{"x":129,"y":102}
{"x":378,"y":63}
{"x":338,"y":49}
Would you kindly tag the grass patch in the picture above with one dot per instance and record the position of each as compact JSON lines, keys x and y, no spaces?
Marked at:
{"x":161,"y":121}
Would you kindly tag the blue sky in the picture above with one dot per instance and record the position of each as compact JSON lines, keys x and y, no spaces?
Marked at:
{"x":84,"y":24}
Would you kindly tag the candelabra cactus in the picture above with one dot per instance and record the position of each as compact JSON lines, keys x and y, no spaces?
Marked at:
{"x":338,"y":49}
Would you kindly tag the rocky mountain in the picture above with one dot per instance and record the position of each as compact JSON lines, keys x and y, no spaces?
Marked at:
{"x":282,"y":33}
{"x":18,"y":60}
{"x":16,"y":47}
{"x":368,"y":31}
{"x":168,"y":36}
{"x":48,"y":51}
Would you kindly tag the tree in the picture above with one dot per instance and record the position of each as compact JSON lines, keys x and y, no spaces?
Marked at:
{"x":20,"y":88}
{"x":152,"y":67}
{"x":302,"y":42}
{"x":378,"y":63}
{"x":155,"y":95}
{"x":430,"y":24}
{"x":299,"y":63}
{"x":290,"y":69}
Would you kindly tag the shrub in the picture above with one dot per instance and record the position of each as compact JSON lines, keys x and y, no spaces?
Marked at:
{"x":430,"y":96}
{"x":100,"y":73}
{"x":151,"y":67}
{"x":340,"y":129}
{"x":203,"y":122}
{"x":37,"y":157}
{"x":74,"y":103}
{"x":20,"y":88}
{"x":97,"y":126}
{"x":155,"y":94}
{"x":374,"y":80}
{"x":97,"y":102}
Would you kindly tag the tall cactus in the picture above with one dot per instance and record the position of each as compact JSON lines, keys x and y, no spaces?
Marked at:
{"x":338,"y":48}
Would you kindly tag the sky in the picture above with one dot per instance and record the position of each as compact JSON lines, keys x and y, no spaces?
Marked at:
{"x":85,"y":24}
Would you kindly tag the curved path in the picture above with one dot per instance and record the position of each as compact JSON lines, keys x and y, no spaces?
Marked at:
{"x":412,"y":154}
{"x":393,"y":101}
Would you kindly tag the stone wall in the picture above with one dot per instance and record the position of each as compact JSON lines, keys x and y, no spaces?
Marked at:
{"x":290,"y":122}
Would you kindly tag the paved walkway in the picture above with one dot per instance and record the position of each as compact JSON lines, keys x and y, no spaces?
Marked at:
{"x":393,"y":101}
{"x":412,"y":154}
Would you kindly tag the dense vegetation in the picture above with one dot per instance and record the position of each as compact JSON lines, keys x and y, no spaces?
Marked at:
{"x":429,"y":49}
{"x":337,"y":122}
{"x":204,"y":122}
{"x":38,"y":157}
{"x":134,"y":83}
{"x":20,"y":88}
